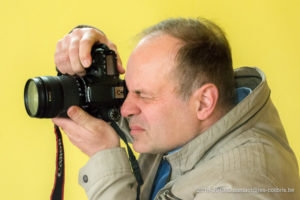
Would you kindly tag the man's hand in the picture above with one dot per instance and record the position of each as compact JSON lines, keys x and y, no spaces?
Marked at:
{"x":73,"y":52}
{"x":89,"y":134}
{"x":73,"y":56}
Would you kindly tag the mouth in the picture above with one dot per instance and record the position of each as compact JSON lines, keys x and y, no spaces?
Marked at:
{"x":136,"y":130}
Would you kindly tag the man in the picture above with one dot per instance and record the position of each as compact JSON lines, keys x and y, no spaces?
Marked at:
{"x":203,"y":131}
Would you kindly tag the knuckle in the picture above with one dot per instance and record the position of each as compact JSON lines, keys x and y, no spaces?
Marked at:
{"x":73,"y":47}
{"x":74,"y":41}
{"x":77,"y":69}
{"x":88,"y":31}
{"x":81,"y":117}
{"x":96,"y":35}
{"x":63,"y":65}
{"x":73,"y":51}
{"x":64,"y":58}
{"x":76,"y":31}
{"x":66,"y":37}
{"x":59,"y":44}
{"x":85,"y":41}
{"x":91,"y":30}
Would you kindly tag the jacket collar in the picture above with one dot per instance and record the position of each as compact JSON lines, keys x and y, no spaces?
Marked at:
{"x":190,"y":154}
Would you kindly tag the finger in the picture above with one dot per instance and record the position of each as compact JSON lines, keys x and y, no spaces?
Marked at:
{"x":89,"y":38}
{"x":74,"y":56}
{"x":120,"y":66}
{"x":112,"y":46}
{"x":65,"y":55}
{"x":63,"y":123}
{"x":69,"y":127}
{"x":83,"y":119}
{"x":62,"y":56}
{"x":72,"y":130}
{"x":57,"y":59}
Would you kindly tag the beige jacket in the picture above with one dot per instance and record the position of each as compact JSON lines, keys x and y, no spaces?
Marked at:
{"x":245,"y":155}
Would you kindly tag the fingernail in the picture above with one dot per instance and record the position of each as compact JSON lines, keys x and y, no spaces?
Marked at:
{"x":72,"y":111}
{"x":86,"y":63}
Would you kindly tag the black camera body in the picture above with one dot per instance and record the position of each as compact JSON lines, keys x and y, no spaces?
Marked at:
{"x":100,"y":92}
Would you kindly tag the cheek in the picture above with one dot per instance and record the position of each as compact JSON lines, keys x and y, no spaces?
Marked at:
{"x":164,"y":120}
{"x":168,"y":125}
{"x":179,"y":121}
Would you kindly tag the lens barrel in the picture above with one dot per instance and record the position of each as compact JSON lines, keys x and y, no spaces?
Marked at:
{"x":51,"y":96}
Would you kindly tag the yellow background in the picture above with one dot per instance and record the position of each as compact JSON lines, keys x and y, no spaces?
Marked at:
{"x":263,"y":33}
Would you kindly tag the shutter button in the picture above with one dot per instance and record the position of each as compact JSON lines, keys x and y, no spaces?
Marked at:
{"x":85,"y":178}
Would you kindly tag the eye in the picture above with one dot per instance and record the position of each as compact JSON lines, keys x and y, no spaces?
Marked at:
{"x":142,"y":95}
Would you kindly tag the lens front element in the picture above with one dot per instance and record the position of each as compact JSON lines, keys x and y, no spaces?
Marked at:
{"x":32,"y":98}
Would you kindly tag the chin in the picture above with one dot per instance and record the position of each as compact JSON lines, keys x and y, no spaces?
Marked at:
{"x":142,"y":148}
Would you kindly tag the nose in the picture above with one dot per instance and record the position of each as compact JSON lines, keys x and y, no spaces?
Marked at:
{"x":130,"y":107}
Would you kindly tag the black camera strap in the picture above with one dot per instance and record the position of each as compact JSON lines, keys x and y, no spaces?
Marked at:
{"x":58,"y":188}
{"x":134,"y":164}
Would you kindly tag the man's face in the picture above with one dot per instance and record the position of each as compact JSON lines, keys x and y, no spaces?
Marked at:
{"x":159,"y":119}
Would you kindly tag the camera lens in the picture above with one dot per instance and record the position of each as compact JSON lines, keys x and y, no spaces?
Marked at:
{"x":51,"y":96}
{"x":32,"y":98}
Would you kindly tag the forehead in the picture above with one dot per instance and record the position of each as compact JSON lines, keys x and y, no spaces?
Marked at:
{"x":152,"y":61}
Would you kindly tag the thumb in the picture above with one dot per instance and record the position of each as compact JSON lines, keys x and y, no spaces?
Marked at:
{"x":83,"y":119}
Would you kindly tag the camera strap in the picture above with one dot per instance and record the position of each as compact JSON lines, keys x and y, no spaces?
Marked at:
{"x":58,"y":188}
{"x":134,"y":163}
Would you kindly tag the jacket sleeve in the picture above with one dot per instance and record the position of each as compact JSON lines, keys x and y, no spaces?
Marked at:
{"x":107,"y":175}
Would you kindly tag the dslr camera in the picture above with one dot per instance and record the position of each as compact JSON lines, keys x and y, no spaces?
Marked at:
{"x":100,"y":92}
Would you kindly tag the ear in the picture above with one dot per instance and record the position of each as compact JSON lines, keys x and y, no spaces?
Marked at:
{"x":206,"y":98}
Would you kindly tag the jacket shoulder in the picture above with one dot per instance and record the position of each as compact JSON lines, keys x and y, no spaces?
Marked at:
{"x":252,"y":166}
